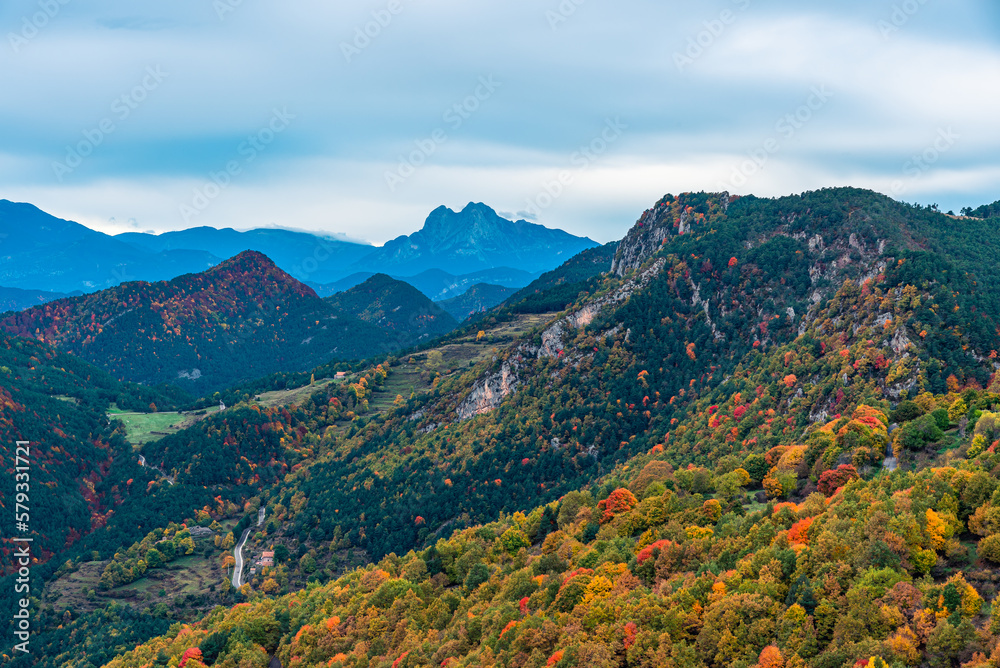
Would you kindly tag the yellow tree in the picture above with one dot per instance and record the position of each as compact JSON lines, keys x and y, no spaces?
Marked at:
{"x":770,"y":657}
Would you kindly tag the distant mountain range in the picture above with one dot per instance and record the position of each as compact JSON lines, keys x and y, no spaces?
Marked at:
{"x":437,"y":284}
{"x":452,"y":252}
{"x":306,"y":257}
{"x":480,"y":298}
{"x":42,"y":252}
{"x":242,"y":319}
{"x":15,"y":299}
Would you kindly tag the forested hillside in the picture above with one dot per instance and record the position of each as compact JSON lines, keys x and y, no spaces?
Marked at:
{"x":764,"y":444}
{"x":985,"y":211}
{"x":395,"y":306}
{"x":240,"y":320}
{"x":555,"y":289}
{"x":765,"y":437}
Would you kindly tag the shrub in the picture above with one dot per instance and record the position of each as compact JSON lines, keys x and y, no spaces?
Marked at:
{"x":620,"y":501}
{"x":838,"y":477}
{"x":906,"y":411}
{"x":989,"y":548}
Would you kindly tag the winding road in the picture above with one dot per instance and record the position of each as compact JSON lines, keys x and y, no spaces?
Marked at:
{"x":142,"y":462}
{"x":238,"y":551}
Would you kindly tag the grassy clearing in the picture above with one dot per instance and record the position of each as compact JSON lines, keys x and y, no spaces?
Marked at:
{"x":142,"y":428}
{"x":292,"y":397}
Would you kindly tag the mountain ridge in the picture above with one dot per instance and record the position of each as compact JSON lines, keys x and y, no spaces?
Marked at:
{"x":241,"y":319}
{"x":474,"y":239}
{"x":70,"y":257}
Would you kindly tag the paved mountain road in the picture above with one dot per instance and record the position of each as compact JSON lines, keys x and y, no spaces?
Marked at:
{"x":238,"y":551}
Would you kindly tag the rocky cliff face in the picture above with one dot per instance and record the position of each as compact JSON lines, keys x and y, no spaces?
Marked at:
{"x":553,"y":338}
{"x":831,"y":253}
{"x":490,"y":392}
{"x":668,"y":218}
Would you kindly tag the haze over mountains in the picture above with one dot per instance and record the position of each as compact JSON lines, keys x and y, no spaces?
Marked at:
{"x":452,"y":252}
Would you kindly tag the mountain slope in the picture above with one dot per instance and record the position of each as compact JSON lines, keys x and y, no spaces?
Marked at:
{"x":604,"y":382}
{"x":396,"y":306}
{"x":41,"y":252}
{"x":480,"y":298}
{"x":15,"y":299}
{"x":473,"y":240}
{"x":554,"y":289}
{"x":57,"y":402}
{"x":606,"y":477}
{"x":243,"y":319}
{"x":985,"y":211}
{"x":606,"y":457}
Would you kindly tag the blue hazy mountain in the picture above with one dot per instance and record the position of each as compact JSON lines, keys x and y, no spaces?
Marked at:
{"x":16,"y":299}
{"x":41,"y":252}
{"x":452,"y":252}
{"x":437,"y":284}
{"x":474,"y":245}
{"x":480,"y":298}
{"x":304,"y":256}
{"x":472,"y":240}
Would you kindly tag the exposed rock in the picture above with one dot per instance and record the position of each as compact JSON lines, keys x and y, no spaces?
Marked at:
{"x":553,"y":338}
{"x":650,"y":232}
{"x":900,"y":341}
{"x":489,"y":393}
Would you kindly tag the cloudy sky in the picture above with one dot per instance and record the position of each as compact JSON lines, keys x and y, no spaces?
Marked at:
{"x":360,"y":118}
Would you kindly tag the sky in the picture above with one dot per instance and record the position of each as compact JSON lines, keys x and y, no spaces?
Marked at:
{"x":360,"y":118}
